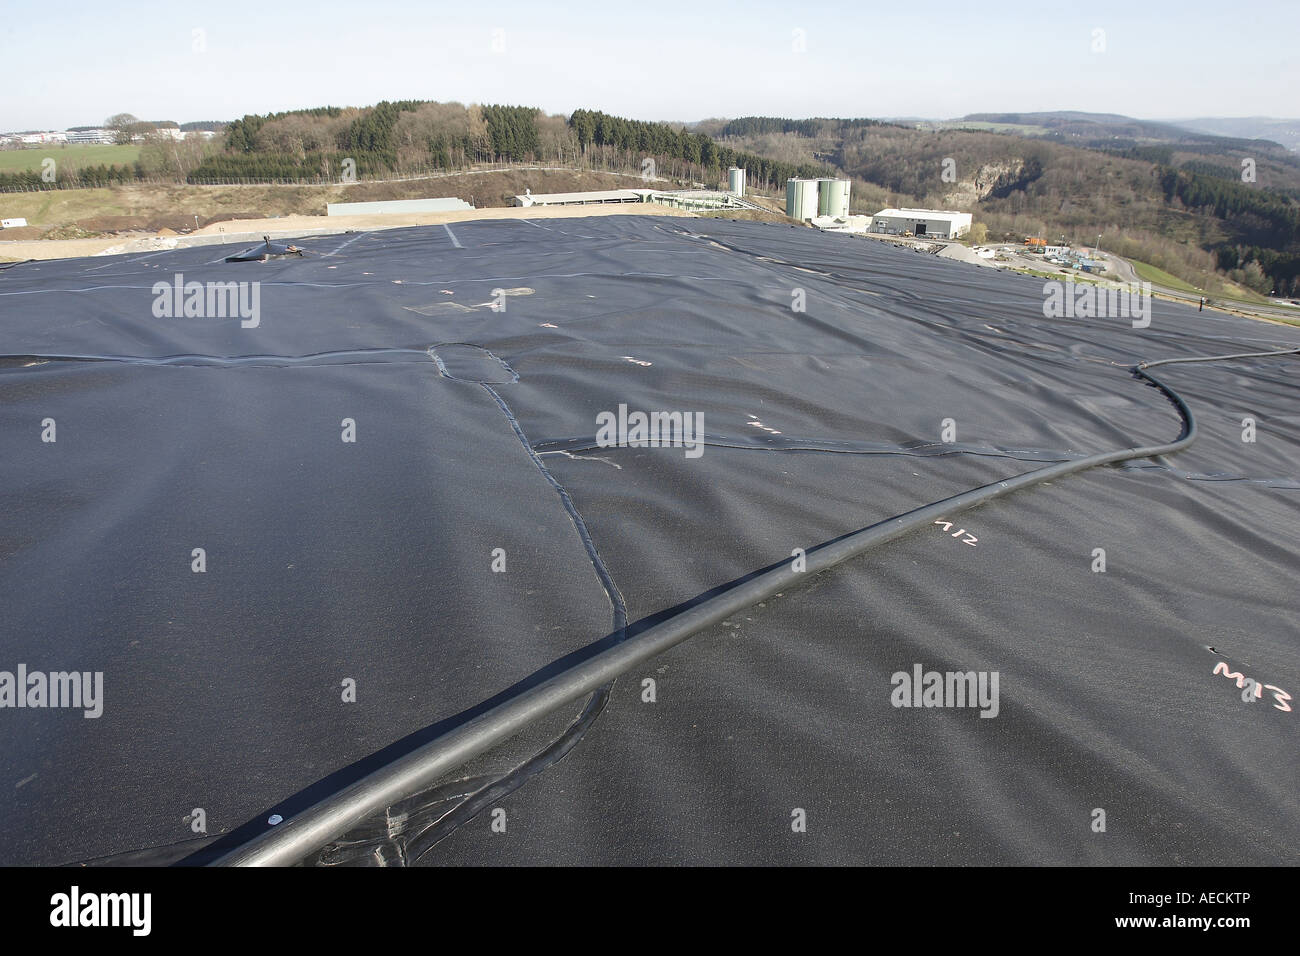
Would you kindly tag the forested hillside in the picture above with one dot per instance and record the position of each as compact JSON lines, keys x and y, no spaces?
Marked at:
{"x":412,"y":136}
{"x":1181,"y":205}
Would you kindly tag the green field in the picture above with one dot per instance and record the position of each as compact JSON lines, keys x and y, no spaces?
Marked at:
{"x":16,"y":160}
{"x":1150,"y":273}
{"x":1161,"y":278}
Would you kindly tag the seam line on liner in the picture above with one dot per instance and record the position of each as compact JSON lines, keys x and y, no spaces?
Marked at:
{"x":616,"y":601}
{"x":346,"y":243}
{"x":475,"y":803}
{"x":567,"y":446}
{"x":360,"y":357}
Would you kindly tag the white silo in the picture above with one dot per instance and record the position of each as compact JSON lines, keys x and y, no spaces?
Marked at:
{"x":736,"y":180}
{"x":824,"y":197}
{"x":833,"y":197}
{"x":801,"y":198}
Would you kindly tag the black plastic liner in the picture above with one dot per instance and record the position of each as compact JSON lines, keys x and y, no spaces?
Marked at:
{"x":475,"y":425}
{"x":267,"y":250}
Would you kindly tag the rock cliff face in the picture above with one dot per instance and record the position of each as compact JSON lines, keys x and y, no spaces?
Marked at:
{"x":989,"y":179}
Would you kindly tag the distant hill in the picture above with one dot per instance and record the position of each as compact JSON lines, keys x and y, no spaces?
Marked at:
{"x":1284,"y":131}
{"x":1111,"y":130}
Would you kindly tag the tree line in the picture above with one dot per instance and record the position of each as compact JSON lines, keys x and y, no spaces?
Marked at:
{"x":241,"y":134}
{"x":639,"y":139}
{"x":380,"y":140}
{"x":27,"y":180}
{"x":761,"y":125}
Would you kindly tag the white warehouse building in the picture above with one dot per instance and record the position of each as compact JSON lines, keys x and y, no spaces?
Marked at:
{"x":939,"y":223}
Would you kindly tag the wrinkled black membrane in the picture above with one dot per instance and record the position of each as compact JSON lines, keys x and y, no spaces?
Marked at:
{"x":266,"y":250}
{"x":372,"y":560}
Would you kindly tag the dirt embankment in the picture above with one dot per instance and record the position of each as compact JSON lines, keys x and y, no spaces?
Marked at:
{"x":122,"y":218}
{"x":123,"y":210}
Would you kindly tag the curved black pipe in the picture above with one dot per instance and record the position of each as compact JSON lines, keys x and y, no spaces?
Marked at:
{"x":336,"y":815}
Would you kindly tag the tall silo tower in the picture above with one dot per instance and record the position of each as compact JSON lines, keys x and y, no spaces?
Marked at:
{"x":833,"y":197}
{"x":736,"y":180}
{"x":801,"y":198}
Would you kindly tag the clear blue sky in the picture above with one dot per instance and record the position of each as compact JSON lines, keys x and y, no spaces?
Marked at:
{"x":75,"y":63}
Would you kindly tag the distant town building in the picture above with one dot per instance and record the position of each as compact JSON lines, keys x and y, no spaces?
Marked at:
{"x":163,"y":132}
{"x":41,"y":139}
{"x":95,"y":137}
{"x":104,"y":136}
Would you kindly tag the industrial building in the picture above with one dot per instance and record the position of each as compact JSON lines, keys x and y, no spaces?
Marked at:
{"x":583,"y":198}
{"x":807,"y":199}
{"x":711,"y":199}
{"x":932,"y":223}
{"x":708,"y":199}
